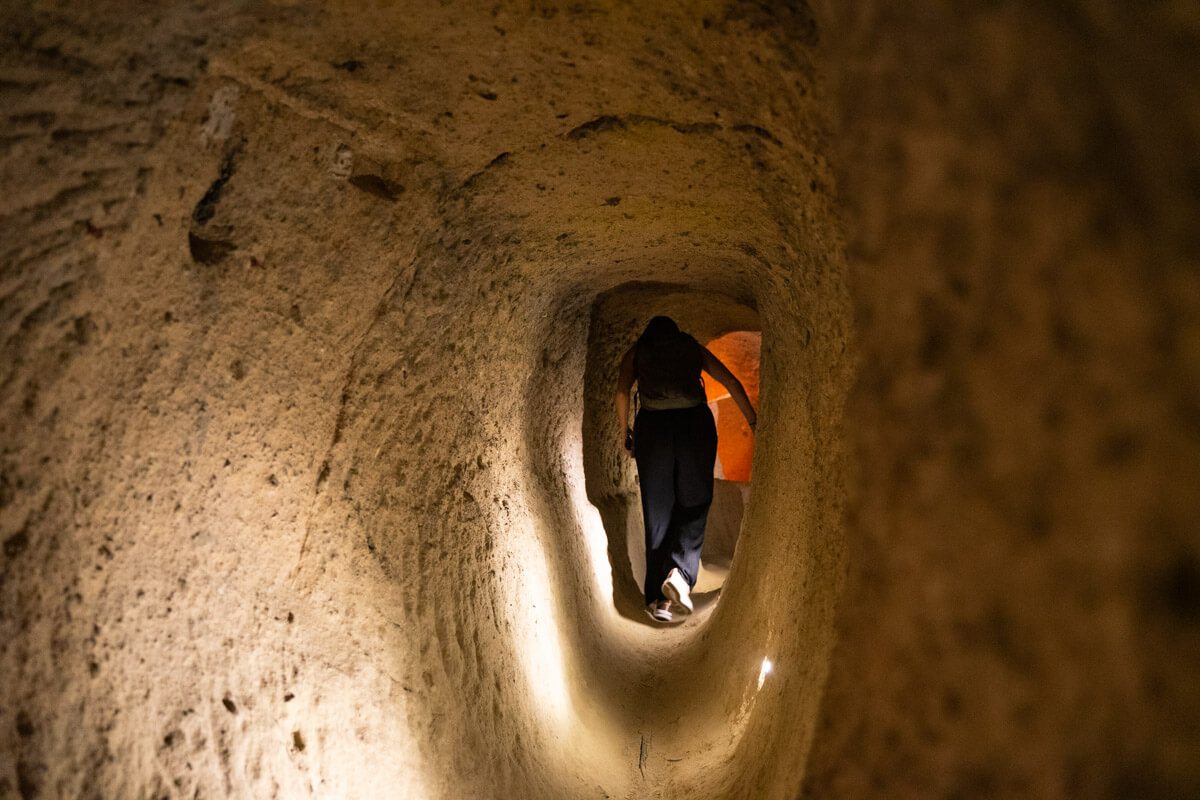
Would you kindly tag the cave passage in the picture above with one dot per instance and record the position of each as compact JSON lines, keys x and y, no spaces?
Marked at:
{"x":309,"y":319}
{"x":348,"y":379}
{"x":740,"y":351}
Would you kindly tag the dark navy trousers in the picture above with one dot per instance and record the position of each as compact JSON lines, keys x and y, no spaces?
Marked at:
{"x":675,"y":451}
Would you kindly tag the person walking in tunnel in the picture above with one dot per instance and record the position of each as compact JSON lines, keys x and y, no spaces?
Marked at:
{"x":674,"y":441}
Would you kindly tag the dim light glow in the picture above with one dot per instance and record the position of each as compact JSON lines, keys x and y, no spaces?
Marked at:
{"x":587,"y":516}
{"x":764,"y":672}
{"x":538,"y":641}
{"x":740,"y":351}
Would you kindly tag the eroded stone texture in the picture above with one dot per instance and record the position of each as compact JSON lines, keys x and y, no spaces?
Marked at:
{"x":1018,"y":184}
{"x":309,"y":482}
{"x":298,"y":305}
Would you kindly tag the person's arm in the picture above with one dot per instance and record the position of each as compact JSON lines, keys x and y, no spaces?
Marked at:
{"x":624,"y":384}
{"x":713,"y":366}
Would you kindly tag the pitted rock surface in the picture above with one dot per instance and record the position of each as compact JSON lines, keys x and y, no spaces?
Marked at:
{"x":310,"y":482}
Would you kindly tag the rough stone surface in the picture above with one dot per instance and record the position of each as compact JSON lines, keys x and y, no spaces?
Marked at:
{"x":309,"y":316}
{"x":1018,"y":185}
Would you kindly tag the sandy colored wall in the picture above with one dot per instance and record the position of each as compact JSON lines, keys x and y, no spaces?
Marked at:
{"x":1018,"y":187}
{"x":299,"y":309}
{"x":308,"y":486}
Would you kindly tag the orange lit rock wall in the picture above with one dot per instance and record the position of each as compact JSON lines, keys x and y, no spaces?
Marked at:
{"x":740,"y":352}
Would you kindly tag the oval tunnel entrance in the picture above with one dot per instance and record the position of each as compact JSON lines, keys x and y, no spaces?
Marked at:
{"x":719,"y":321}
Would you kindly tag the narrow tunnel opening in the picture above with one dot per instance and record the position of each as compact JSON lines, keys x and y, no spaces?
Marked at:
{"x":360,"y":414}
{"x":712,"y":318}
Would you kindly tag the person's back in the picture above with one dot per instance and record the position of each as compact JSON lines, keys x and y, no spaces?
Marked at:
{"x":674,"y":440}
{"x":667,"y":368}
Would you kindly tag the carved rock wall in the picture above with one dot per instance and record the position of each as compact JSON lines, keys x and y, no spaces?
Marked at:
{"x":1017,"y":182}
{"x":303,"y":319}
{"x":309,"y":483}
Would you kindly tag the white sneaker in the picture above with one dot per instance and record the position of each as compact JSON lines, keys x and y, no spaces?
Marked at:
{"x":660,"y":611}
{"x":676,"y":588}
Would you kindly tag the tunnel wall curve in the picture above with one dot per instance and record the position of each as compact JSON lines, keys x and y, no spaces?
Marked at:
{"x":1022,"y":432}
{"x":295,"y":318}
{"x":294,"y":494}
